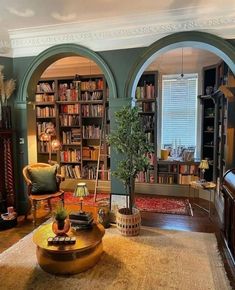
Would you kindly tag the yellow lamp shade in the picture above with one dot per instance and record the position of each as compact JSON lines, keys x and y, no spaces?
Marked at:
{"x":81,"y":190}
{"x":204,"y":164}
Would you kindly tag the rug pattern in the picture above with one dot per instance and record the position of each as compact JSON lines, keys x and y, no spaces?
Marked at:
{"x":155,"y":260}
{"x":168,"y":205}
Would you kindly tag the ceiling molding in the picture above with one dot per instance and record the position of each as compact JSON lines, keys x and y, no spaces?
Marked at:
{"x":99,"y":36}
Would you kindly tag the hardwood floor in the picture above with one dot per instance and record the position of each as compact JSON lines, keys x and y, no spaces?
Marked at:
{"x":199,"y":222}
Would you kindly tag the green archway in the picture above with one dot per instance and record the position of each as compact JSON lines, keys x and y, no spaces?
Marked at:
{"x":210,"y":42}
{"x":52,"y":54}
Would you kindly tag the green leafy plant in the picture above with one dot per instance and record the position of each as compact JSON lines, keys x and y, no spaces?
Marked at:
{"x":130,"y":139}
{"x":60,"y":212}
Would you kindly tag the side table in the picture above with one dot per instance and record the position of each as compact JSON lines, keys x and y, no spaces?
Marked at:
{"x":207,"y":186}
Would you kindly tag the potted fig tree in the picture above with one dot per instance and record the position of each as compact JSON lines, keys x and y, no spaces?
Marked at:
{"x":130,"y":140}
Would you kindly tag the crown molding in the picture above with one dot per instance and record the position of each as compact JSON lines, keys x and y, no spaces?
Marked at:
{"x":137,"y":31}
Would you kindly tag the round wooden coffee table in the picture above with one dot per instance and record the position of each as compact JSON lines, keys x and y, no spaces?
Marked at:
{"x":69,"y":259}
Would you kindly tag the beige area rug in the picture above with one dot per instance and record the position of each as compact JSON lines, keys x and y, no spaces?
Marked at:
{"x":157,"y":259}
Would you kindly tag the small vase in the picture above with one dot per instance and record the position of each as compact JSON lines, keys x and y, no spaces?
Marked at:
{"x":61,"y":227}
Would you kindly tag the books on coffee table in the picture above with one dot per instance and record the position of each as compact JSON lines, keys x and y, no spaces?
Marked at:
{"x":81,"y":220}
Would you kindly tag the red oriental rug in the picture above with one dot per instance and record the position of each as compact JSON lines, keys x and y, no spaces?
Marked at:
{"x":169,"y":205}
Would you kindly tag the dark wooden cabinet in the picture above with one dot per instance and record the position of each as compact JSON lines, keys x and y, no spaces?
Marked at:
{"x":218,"y":121}
{"x":228,"y":189}
{"x":7,"y":191}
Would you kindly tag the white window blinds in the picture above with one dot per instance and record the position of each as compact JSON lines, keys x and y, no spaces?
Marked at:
{"x":179,"y":109}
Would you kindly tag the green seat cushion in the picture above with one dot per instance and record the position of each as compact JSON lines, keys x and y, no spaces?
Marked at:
{"x":43,"y":179}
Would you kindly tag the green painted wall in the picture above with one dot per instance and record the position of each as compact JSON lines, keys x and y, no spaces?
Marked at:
{"x":121,"y":64}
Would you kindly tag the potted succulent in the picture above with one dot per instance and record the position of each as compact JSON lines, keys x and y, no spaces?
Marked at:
{"x":130,"y":140}
{"x":61,"y":224}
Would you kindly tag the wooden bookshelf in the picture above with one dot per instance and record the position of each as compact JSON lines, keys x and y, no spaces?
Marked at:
{"x":75,"y":107}
{"x":146,"y":97}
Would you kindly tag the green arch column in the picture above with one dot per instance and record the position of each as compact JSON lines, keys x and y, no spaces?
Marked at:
{"x":202,"y":40}
{"x":52,"y":54}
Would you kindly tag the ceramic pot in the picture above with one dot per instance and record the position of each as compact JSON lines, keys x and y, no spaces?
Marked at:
{"x":61,"y":227}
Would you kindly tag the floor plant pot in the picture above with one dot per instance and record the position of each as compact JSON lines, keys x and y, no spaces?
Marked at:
{"x":128,"y":224}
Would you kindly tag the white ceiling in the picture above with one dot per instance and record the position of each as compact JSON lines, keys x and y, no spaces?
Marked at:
{"x":28,"y":27}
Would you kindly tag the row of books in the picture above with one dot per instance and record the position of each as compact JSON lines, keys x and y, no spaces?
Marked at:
{"x":69,"y":171}
{"x":186,"y":179}
{"x":41,"y":126}
{"x":45,"y":112}
{"x":146,"y":107}
{"x":70,"y":155}
{"x":44,"y":97}
{"x":167,"y":179}
{"x":89,"y":172}
{"x":92,"y":110}
{"x":72,"y":137}
{"x":92,"y":85}
{"x":150,"y":137}
{"x":145,"y":92}
{"x":91,"y":132}
{"x":188,"y":169}
{"x":91,"y":96}
{"x":43,"y":147}
{"x":145,"y":176}
{"x":70,"y":120}
{"x":90,"y":152}
{"x":45,"y":87}
{"x":70,"y":109}
{"x":68,"y":92}
{"x":147,"y":122}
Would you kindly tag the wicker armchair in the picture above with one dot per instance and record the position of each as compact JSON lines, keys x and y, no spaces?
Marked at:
{"x":37,"y":196}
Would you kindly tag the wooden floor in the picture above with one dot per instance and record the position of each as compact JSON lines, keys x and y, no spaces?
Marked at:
{"x":199,"y":222}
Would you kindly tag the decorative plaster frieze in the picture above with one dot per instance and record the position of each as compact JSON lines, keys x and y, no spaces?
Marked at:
{"x":30,"y":42}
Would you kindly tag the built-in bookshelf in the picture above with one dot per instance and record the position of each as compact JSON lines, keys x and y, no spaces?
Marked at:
{"x":45,"y":115}
{"x":177,"y":172}
{"x":218,"y":121}
{"x":77,"y":109}
{"x":146,"y":100}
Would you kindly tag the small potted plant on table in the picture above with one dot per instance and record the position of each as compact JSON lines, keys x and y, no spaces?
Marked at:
{"x":61,"y":225}
{"x":130,"y":140}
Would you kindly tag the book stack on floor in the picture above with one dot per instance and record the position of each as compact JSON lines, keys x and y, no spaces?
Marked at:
{"x":81,"y":220}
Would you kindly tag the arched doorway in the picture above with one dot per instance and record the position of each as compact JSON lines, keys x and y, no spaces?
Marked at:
{"x":197,"y":39}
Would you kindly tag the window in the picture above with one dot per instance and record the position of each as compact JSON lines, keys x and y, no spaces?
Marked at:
{"x":179,"y":110}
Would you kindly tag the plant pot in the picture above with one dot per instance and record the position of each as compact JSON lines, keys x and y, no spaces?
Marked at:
{"x":128,"y":224}
{"x":61,"y":227}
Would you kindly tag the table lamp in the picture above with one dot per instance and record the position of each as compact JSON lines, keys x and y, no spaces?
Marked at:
{"x":81,"y":191}
{"x":53,"y":144}
{"x":203,"y":166}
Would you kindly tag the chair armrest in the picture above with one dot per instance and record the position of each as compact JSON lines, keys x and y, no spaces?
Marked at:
{"x":59,"y":178}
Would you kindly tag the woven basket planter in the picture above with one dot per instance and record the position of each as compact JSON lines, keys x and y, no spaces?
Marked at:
{"x":128,"y":224}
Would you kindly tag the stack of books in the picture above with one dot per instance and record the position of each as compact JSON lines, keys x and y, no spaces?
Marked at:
{"x":81,"y":220}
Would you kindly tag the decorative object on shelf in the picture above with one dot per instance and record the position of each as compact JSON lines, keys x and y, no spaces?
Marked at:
{"x":61,"y":225}
{"x":203,"y":166}
{"x":7,"y":87}
{"x":164,"y":154}
{"x":49,"y":135}
{"x":80,"y":191}
{"x":130,"y":140}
